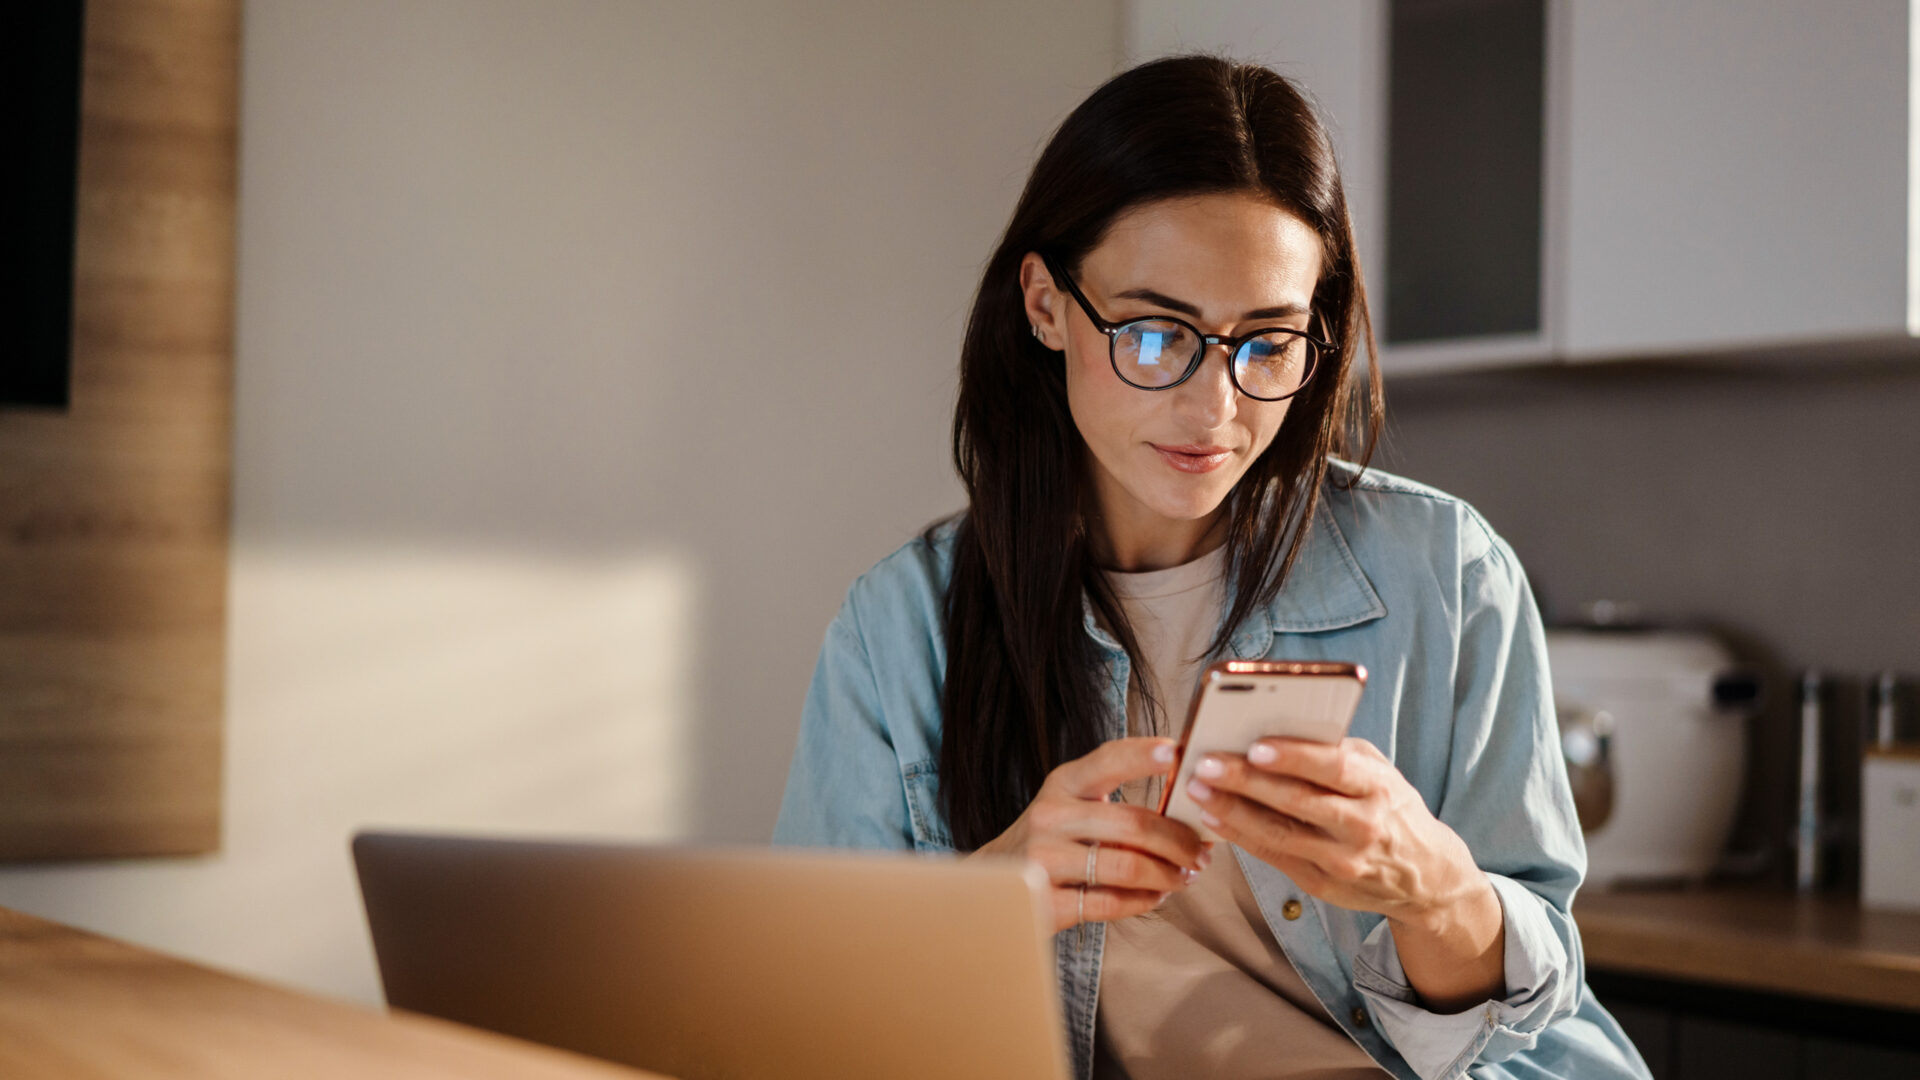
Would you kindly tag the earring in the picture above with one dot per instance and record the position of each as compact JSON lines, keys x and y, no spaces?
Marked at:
{"x":1036,"y":331}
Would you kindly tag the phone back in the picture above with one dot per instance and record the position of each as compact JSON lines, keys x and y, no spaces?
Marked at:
{"x":1241,"y":701}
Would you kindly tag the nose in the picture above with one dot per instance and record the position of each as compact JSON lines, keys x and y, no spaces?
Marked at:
{"x":1208,"y":397}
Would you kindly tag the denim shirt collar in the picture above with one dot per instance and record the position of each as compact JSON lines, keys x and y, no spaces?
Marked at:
{"x":1326,"y":590}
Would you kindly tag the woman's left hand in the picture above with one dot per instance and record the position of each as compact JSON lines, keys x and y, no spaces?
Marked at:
{"x":1348,"y":828}
{"x":1339,"y":820}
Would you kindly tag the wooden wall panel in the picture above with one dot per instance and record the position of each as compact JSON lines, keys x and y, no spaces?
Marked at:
{"x":114,"y":514}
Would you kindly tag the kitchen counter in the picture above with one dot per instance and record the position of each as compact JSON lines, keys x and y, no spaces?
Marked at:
{"x":80,"y":1006}
{"x":1819,"y":947}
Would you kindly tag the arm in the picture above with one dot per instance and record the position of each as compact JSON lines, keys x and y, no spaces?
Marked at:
{"x":1508,"y":800}
{"x":844,"y":788}
{"x":1453,"y":947}
{"x":1476,"y":953}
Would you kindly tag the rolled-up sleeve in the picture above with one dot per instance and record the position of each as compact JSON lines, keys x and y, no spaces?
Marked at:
{"x":1507,"y":796}
{"x":843,"y":788}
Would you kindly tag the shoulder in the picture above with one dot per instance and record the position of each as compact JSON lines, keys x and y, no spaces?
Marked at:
{"x":1390,"y":520}
{"x":888,"y":645}
{"x":906,"y":590}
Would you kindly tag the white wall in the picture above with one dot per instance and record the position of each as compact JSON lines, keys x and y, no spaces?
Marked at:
{"x":586,"y":351}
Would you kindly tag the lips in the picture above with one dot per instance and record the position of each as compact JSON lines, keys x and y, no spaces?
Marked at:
{"x":1193,"y":458}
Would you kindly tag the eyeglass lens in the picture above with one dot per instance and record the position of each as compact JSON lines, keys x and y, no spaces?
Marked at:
{"x":1153,"y":353}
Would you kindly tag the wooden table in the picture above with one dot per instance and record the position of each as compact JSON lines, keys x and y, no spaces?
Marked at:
{"x":79,"y":1006}
{"x":1818,"y":947}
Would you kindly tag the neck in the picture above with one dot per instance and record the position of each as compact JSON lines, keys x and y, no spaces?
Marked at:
{"x":1134,"y":546}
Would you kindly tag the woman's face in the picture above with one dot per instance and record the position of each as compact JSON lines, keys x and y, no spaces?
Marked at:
{"x":1228,"y":264}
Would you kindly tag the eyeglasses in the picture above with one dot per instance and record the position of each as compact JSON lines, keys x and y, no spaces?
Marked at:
{"x":1161,"y":352}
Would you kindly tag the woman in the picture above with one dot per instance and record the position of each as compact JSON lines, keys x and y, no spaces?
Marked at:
{"x":1157,"y":394}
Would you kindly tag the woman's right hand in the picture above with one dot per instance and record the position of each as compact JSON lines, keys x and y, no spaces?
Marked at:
{"x":1142,"y":856}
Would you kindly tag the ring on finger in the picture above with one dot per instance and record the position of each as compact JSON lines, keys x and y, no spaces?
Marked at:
{"x":1093,"y":859}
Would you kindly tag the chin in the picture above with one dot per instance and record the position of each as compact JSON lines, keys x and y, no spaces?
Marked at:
{"x":1192,"y":503}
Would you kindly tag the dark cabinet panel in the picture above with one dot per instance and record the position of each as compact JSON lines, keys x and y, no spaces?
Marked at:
{"x":1828,"y":1059}
{"x":1651,"y":1030}
{"x":1714,"y":1048}
{"x":1466,"y":115}
{"x":1696,"y":1031}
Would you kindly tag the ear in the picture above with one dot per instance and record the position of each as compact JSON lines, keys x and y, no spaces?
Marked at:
{"x":1046,"y":305}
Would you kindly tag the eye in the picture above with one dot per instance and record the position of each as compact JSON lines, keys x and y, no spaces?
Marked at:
{"x":1152,"y":352}
{"x":1274,"y":365}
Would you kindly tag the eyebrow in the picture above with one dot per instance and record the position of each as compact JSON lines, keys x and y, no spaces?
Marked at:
{"x":1162,"y":300}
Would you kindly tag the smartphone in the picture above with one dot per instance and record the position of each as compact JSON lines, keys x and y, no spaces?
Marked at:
{"x":1241,"y":701}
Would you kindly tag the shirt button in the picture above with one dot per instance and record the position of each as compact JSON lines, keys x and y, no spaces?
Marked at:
{"x":1290,"y":910}
{"x":1359,"y":1016}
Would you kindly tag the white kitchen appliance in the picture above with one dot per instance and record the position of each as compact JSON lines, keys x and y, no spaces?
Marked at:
{"x":1653,"y":723}
{"x":1890,"y":828}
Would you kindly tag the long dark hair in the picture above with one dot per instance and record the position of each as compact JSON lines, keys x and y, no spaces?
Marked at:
{"x":1022,"y":691}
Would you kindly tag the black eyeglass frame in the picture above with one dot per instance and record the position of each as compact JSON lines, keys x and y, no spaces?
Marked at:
{"x":1233,"y":344}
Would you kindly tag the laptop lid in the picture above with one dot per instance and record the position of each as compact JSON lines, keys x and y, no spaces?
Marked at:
{"x":723,"y":962}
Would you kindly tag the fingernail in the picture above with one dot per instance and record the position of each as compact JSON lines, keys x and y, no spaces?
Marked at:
{"x":1163,"y":753}
{"x":1199,"y":790}
{"x":1162,"y":900}
{"x":1204,"y":859}
{"x":1261,"y":754}
{"x":1210,"y":766}
{"x":1210,"y":821}
{"x":1188,"y":875}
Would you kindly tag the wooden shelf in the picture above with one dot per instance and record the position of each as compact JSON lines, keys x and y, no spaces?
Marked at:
{"x":1818,"y":947}
{"x":80,"y":1006}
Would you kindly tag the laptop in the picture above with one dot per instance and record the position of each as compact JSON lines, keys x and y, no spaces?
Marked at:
{"x":735,"y":963}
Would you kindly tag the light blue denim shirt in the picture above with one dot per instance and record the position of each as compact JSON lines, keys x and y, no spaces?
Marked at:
{"x":1406,"y":580}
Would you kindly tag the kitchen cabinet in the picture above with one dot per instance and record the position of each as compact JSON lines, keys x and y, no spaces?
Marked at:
{"x":1707,"y":1048}
{"x":1339,"y":51}
{"x":1471,"y":248}
{"x":1829,"y":1059}
{"x":1756,"y":983}
{"x":1698,"y":1031}
{"x":1464,"y":178}
{"x":1335,"y":49}
{"x":1712,"y":179}
{"x":1737,"y":176}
